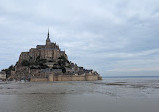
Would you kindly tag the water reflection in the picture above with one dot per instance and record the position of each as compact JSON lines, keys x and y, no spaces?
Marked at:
{"x":74,"y":103}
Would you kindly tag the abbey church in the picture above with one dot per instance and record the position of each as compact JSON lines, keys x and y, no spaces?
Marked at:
{"x":50,"y":51}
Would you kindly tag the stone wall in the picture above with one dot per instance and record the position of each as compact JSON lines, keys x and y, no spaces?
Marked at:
{"x":51,"y":78}
{"x":39,"y":80}
{"x":2,"y":76}
{"x":91,"y":77}
{"x":78,"y":78}
{"x":24,"y":56}
{"x":67,"y":78}
{"x":64,"y":78}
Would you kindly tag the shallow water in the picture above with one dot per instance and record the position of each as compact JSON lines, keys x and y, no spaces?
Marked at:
{"x":108,"y":95}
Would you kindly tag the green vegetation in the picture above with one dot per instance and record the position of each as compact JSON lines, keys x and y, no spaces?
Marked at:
{"x":42,"y":66}
{"x":63,"y":69}
{"x":25,"y":63}
{"x":38,"y":64}
{"x":62,"y":61}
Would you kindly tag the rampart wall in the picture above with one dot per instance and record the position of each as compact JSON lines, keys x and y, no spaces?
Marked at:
{"x":67,"y":78}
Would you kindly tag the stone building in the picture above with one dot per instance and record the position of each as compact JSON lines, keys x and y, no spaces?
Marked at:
{"x":3,"y":75}
{"x":49,"y":51}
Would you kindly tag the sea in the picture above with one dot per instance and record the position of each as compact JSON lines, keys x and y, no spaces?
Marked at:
{"x":112,"y":94}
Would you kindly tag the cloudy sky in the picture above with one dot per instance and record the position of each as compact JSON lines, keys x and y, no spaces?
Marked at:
{"x":114,"y":37}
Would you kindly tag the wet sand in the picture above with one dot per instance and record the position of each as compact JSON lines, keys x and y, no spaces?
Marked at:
{"x":108,"y":95}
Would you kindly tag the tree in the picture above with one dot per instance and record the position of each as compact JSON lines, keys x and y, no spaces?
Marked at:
{"x":62,"y":61}
{"x":44,"y":66}
{"x":25,"y":63}
{"x":63,"y":70}
{"x":11,"y":67}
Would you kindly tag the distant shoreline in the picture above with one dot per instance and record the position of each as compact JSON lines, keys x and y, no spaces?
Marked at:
{"x":130,"y":76}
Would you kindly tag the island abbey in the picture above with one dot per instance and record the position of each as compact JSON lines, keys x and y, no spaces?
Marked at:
{"x":48,"y":63}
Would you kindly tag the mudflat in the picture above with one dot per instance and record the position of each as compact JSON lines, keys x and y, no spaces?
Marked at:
{"x":108,"y":95}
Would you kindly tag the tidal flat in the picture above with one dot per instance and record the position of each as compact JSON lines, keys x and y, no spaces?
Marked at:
{"x":108,"y":95}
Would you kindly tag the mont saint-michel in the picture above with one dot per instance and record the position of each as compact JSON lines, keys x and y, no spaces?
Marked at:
{"x":48,"y":63}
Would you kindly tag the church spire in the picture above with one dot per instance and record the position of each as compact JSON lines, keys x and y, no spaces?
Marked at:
{"x":48,"y":42}
{"x":48,"y":38}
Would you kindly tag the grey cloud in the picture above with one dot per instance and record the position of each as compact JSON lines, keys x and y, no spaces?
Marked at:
{"x":108,"y":36}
